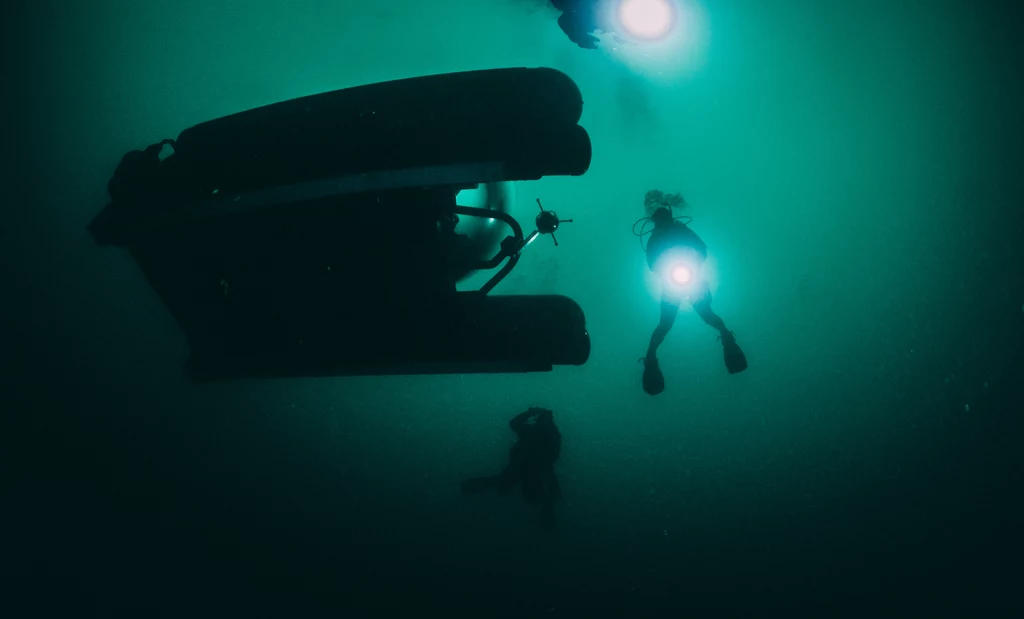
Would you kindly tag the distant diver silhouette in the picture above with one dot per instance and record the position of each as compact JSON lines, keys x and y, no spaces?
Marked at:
{"x":531,"y":464}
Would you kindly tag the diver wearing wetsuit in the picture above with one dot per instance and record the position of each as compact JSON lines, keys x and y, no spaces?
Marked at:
{"x":677,"y":253}
{"x":530,"y":463}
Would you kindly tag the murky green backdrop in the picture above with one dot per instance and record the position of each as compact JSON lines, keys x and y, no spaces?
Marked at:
{"x":855,"y":170}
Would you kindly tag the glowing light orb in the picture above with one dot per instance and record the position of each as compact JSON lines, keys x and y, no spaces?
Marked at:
{"x":646,"y":19}
{"x":681,"y":275}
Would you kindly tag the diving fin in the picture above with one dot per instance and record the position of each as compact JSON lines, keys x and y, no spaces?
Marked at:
{"x":654,"y":380}
{"x":735,"y":360}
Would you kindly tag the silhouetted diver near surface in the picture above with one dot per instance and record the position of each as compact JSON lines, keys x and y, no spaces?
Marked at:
{"x":579,"y":21}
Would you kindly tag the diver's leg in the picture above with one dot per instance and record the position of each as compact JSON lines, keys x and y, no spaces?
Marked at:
{"x":669,"y":309}
{"x":735,"y":360}
{"x":503,"y":481}
{"x":713,"y":320}
{"x":653,"y":379}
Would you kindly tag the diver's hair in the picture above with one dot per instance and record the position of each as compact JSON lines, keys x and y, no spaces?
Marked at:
{"x":656,"y":199}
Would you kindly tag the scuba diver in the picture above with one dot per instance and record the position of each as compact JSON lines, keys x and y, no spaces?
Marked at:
{"x":579,"y":21}
{"x":676,"y":253}
{"x":530,"y":463}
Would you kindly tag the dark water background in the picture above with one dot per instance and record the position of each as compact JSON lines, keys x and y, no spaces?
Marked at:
{"x":855,"y":169}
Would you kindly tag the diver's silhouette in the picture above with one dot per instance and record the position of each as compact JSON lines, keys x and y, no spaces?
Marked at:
{"x":677,"y":254}
{"x":531,"y":463}
{"x":579,"y":20}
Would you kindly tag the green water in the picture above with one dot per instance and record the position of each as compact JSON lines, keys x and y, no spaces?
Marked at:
{"x":854,"y":169}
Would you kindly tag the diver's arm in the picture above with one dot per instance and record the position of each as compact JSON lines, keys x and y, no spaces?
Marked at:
{"x":519,"y":421}
{"x":700,"y":247}
{"x":653,"y":249}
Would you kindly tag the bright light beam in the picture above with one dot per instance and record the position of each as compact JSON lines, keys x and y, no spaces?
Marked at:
{"x":646,"y":19}
{"x":681,"y":275}
{"x":660,"y":40}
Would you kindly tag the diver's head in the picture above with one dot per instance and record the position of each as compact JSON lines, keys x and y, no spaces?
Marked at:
{"x":661,"y":217}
